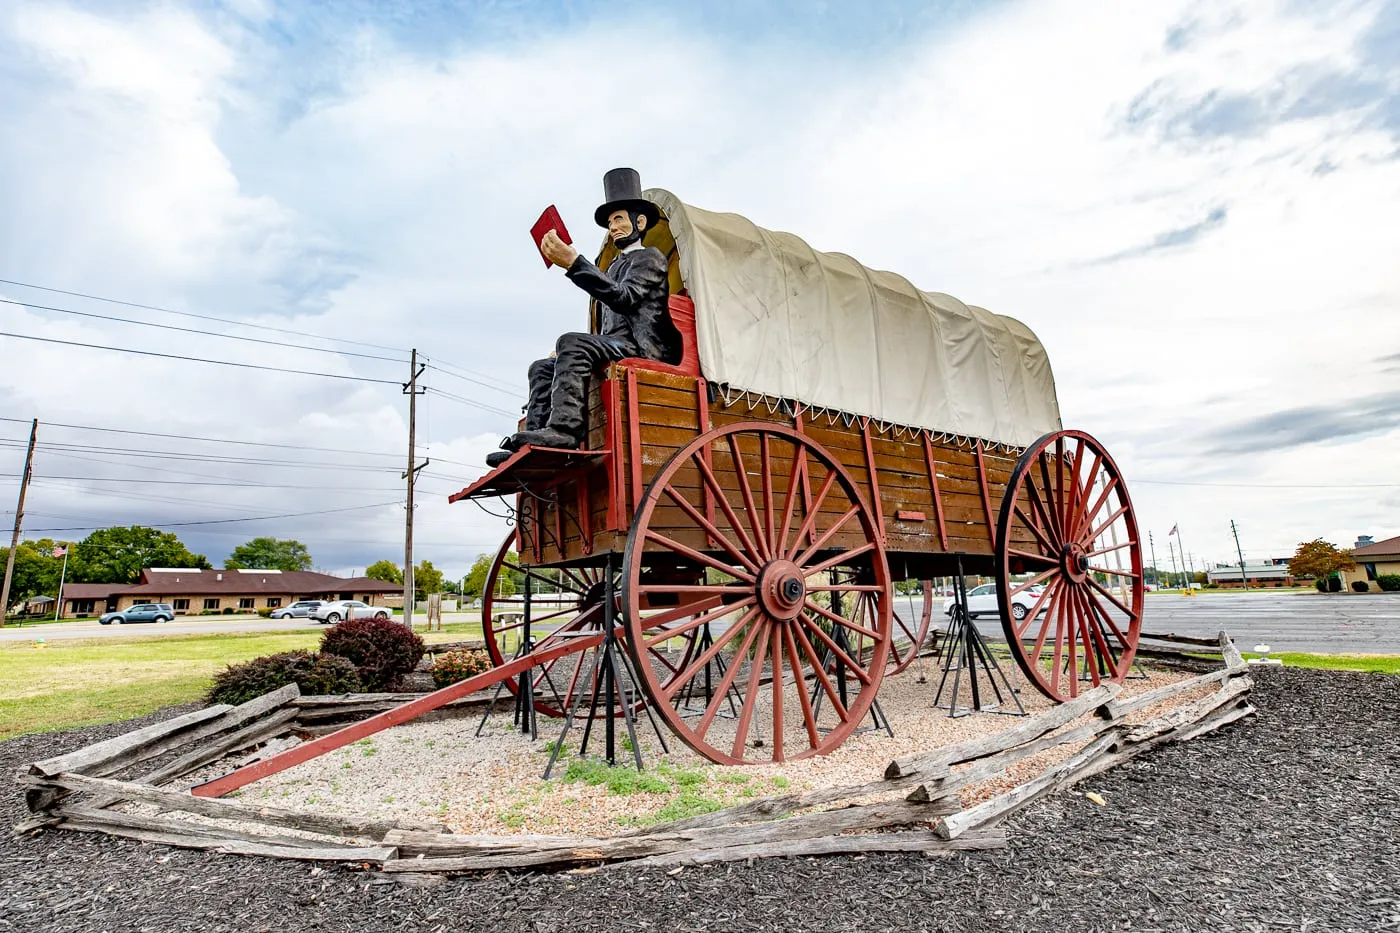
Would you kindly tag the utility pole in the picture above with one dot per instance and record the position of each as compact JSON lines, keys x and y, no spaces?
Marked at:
{"x":19,"y":519}
{"x":1171,"y":553}
{"x":411,"y":389}
{"x":1244,"y":578}
{"x":1156,"y":577}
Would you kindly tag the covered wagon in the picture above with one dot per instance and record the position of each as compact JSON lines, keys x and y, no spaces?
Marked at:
{"x":739,"y":520}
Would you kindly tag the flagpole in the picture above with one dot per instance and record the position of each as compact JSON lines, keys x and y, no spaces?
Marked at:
{"x":62,"y":575}
{"x":1181,"y":546}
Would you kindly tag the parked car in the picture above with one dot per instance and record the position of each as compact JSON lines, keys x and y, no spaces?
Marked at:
{"x":982,"y":600}
{"x":333,"y":612}
{"x":300,"y":609}
{"x":140,"y":612}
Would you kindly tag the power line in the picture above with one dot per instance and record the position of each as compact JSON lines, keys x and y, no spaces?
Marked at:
{"x":191,"y":456}
{"x":466,"y":401}
{"x":199,"y":482}
{"x":226,"y":521}
{"x":202,"y":333}
{"x":1166,"y":482}
{"x":197,"y":359}
{"x":202,"y":317}
{"x":513,"y":392}
{"x":209,"y":440}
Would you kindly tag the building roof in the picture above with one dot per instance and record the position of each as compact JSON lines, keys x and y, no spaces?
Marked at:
{"x":193,"y":582}
{"x":1390,"y":547}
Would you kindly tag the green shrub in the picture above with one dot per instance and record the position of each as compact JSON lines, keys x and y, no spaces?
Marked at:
{"x":1390,"y":582}
{"x":459,"y":665}
{"x":265,"y":613}
{"x":1334,"y":584}
{"x":315,"y":674}
{"x":1360,"y":586}
{"x":1321,"y":585}
{"x":381,"y":650}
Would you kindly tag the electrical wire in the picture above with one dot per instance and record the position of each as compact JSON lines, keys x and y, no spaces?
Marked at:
{"x":197,"y":359}
{"x":202,"y":333}
{"x":226,"y":521}
{"x":208,"y":440}
{"x":465,"y":401}
{"x":203,"y":317}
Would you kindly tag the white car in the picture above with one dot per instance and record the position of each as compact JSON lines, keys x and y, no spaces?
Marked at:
{"x":982,"y":601}
{"x":333,"y":612}
{"x":300,"y":609}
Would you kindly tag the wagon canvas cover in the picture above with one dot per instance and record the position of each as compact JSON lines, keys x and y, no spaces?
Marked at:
{"x":775,"y":316}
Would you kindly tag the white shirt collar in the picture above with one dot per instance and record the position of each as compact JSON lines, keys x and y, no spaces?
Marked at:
{"x":632,"y":247}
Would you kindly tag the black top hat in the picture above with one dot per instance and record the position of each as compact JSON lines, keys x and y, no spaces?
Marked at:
{"x":622,"y":188}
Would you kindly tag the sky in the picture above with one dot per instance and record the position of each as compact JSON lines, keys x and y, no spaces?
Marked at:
{"x":1192,"y":204}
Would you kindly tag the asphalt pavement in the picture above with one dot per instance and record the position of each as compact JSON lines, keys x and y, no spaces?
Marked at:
{"x":1337,"y":623}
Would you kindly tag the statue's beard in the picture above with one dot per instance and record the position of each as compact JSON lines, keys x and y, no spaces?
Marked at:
{"x":634,"y":237}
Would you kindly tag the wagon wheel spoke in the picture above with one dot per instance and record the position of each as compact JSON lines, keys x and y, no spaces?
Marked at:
{"x":756,"y":521}
{"x":708,"y":477}
{"x":751,"y":695}
{"x":808,"y":526}
{"x":710,"y":528}
{"x":799,"y":466}
{"x":697,"y":621}
{"x":766,"y":466}
{"x":726,"y":684}
{"x":698,"y":557}
{"x":809,"y":716}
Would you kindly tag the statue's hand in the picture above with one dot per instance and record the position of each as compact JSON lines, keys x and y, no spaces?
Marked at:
{"x":557,"y":251}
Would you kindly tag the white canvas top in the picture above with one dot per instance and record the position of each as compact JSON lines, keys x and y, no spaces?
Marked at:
{"x":773,"y":315}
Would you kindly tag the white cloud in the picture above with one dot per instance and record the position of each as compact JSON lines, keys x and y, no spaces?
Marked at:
{"x":1005,"y":161}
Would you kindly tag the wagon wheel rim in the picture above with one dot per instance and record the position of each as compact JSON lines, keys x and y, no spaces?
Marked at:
{"x":786,"y":514}
{"x":1067,"y":520}
{"x":579,"y":610}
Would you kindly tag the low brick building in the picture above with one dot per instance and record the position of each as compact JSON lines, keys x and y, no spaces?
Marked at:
{"x":1373,"y":560}
{"x":192,"y":592}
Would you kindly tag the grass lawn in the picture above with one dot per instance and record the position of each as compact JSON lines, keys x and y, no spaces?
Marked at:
{"x":1377,"y":663}
{"x":83,"y":682}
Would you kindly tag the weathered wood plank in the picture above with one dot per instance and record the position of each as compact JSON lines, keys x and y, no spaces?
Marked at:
{"x":324,"y":823}
{"x":101,"y":821}
{"x":1190,"y":713}
{"x":1118,"y":708}
{"x":779,"y":805}
{"x":1003,"y":805}
{"x":1181,"y":639}
{"x":1233,"y":659}
{"x":930,"y":843}
{"x":117,"y":752}
{"x":1018,"y":734}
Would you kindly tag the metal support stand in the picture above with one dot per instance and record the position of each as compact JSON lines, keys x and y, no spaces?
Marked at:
{"x":614,"y":688}
{"x":683,"y":702}
{"x":967,"y":651}
{"x":832,"y":664}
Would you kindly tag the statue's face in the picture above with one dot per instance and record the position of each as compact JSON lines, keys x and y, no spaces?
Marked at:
{"x":621,"y":229}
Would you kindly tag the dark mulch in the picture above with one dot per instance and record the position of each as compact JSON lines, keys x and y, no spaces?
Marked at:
{"x":1290,"y":821}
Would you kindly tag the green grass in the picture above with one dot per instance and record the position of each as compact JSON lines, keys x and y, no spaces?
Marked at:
{"x":86,"y":681}
{"x":1374,"y":663}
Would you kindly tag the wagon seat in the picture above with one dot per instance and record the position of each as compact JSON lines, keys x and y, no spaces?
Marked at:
{"x":681,"y":307}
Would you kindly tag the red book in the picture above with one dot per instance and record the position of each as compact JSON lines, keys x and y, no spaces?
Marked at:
{"x":549,"y":220}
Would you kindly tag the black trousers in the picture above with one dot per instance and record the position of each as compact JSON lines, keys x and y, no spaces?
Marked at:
{"x":559,"y":386}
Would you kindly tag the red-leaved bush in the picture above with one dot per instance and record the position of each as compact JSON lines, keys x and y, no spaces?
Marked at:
{"x":381,"y":650}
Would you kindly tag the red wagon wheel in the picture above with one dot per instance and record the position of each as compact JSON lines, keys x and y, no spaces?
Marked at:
{"x":1067,"y":521}
{"x":574,"y":606}
{"x":787,"y":517}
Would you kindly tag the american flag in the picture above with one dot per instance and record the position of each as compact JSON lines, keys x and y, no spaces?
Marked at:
{"x":59,"y":551}
{"x":1172,"y":532}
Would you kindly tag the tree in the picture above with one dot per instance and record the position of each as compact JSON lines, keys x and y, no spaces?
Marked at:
{"x":426,"y":579}
{"x":269,"y":554}
{"x":118,"y":555}
{"x":1320,"y":559}
{"x":387,"y":571}
{"x":506,"y":583}
{"x":36,"y":569}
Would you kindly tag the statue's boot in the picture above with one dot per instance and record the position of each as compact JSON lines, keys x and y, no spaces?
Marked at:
{"x":498,"y":457}
{"x":548,"y":436}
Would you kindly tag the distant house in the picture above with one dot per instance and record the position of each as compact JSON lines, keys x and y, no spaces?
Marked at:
{"x":1373,"y":560}
{"x":192,"y":592}
{"x":1273,"y":572}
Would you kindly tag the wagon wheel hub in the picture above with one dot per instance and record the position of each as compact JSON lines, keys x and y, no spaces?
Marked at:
{"x":781,"y":590}
{"x":1074,"y":562}
{"x":594,"y":594}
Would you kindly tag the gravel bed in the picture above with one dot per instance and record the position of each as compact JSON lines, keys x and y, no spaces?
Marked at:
{"x":1287,"y":821}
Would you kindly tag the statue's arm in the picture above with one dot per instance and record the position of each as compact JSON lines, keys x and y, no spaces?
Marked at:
{"x":643,"y":277}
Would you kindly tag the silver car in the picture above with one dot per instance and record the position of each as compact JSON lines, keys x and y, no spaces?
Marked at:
{"x":333,"y":612}
{"x":300,"y":609}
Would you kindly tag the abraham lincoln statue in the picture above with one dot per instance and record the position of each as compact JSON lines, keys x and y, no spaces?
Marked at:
{"x":634,"y":319}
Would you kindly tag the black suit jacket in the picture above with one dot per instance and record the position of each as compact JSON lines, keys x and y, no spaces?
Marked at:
{"x":633,"y":294}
